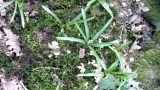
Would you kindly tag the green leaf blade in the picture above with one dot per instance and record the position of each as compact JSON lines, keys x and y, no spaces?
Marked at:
{"x":82,"y":21}
{"x":102,"y":30}
{"x":99,"y":61}
{"x":52,"y":13}
{"x":20,"y":6}
{"x":81,"y":31}
{"x":104,"y":44}
{"x":14,"y":13}
{"x":90,"y":74}
{"x":85,"y":23}
{"x":124,"y":45}
{"x":58,"y":86}
{"x":116,"y":52}
{"x":86,"y":9}
{"x":107,"y":8}
{"x":72,"y":39}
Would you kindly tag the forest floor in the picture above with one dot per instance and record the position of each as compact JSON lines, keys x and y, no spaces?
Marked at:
{"x":45,"y":62}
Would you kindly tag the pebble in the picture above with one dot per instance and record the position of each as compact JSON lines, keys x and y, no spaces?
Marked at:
{"x":131,"y":59}
{"x":124,"y":4}
{"x":81,"y":53}
{"x":3,"y":12}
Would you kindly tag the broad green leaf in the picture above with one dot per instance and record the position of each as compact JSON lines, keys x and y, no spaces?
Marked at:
{"x":90,"y":74}
{"x":81,"y":31}
{"x":124,"y":45}
{"x":5,"y":4}
{"x":72,"y":39}
{"x":104,"y":44}
{"x":99,"y":61}
{"x":86,"y":9}
{"x":52,"y":13}
{"x":106,"y":6}
{"x":14,"y":13}
{"x":107,"y":82}
{"x":20,"y":6}
{"x":85,"y":23}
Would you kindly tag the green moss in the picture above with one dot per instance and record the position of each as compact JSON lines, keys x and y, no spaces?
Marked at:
{"x":154,"y":14}
{"x":6,"y":64}
{"x":148,"y":67}
{"x":40,"y":80}
{"x":70,"y":3}
{"x":148,"y":63}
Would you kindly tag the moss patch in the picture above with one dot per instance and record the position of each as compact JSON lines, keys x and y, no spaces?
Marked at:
{"x":148,"y":63}
{"x":154,"y":14}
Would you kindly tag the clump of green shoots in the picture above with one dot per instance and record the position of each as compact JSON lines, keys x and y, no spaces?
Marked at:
{"x":86,"y":36}
{"x":18,"y":5}
{"x":112,"y":76}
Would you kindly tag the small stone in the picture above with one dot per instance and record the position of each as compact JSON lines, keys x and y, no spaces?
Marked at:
{"x":131,"y":59}
{"x":33,"y":13}
{"x":124,"y":4}
{"x":121,"y":14}
{"x":90,"y":41}
{"x":81,"y":53}
{"x":3,"y":12}
{"x":56,"y":52}
{"x":68,"y":51}
{"x":50,"y":55}
{"x":133,"y":18}
{"x":53,"y":45}
{"x":1,"y":35}
{"x":135,"y":47}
